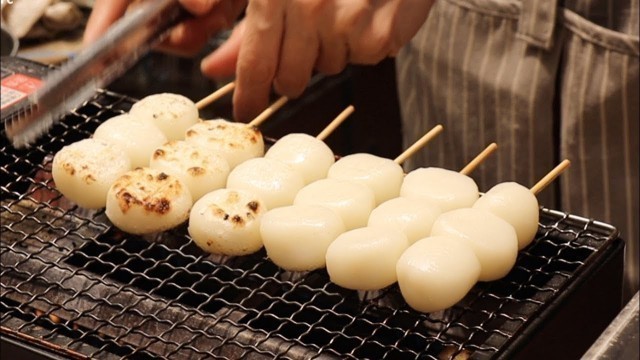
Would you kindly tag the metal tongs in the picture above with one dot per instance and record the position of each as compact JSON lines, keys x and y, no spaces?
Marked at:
{"x":95,"y":67}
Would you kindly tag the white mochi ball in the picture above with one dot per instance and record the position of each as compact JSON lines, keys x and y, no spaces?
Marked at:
{"x":352,"y":201}
{"x":493,"y":240}
{"x":139,"y":139}
{"x":227,"y":222}
{"x":85,"y":170}
{"x":436,"y":272}
{"x":236,"y":142}
{"x":145,"y":201}
{"x":517,"y":205}
{"x":276,"y":183}
{"x":448,"y":189}
{"x":308,"y":155}
{"x":296,"y":237}
{"x":173,"y":114}
{"x":200,"y":169}
{"x":413,"y":216}
{"x":382,"y":175}
{"x":365,"y":258}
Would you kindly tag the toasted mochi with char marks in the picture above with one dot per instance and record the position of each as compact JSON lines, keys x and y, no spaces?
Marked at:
{"x":145,"y":201}
{"x":227,"y":222}
{"x":236,"y":142}
{"x":199,"y":168}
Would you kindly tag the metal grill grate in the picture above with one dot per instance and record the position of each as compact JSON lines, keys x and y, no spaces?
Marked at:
{"x":75,"y":285}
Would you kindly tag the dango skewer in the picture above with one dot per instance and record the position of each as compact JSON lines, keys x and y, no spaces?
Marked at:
{"x":151,"y":122}
{"x":228,"y":221}
{"x":317,"y":224}
{"x":216,"y":95}
{"x":277,"y":182}
{"x":365,"y":258}
{"x":309,"y":155}
{"x":415,"y":215}
{"x":237,"y":142}
{"x":384,"y":176}
{"x":448,"y":189}
{"x":354,"y":200}
{"x":484,"y":230}
{"x":518,"y":205}
{"x":149,"y":200}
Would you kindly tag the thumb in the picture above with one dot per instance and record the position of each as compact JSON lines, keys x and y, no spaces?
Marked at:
{"x":222,"y":62}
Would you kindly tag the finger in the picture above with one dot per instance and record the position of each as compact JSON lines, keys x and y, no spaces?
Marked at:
{"x":200,"y":7}
{"x":231,"y":8}
{"x":370,"y":41}
{"x":383,"y":34}
{"x":258,"y":57}
{"x":299,"y":48}
{"x":333,"y":53}
{"x":414,"y":13}
{"x":104,"y":13}
{"x":222,"y":62}
{"x":332,"y":56}
{"x":370,"y":47}
{"x":188,"y":37}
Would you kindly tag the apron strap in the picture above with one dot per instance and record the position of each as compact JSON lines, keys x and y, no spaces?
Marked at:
{"x":537,"y":22}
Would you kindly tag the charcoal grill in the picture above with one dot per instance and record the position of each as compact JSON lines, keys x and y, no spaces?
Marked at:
{"x":74,"y":286}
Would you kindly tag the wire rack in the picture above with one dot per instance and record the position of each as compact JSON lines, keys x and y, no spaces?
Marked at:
{"x":73,"y":284}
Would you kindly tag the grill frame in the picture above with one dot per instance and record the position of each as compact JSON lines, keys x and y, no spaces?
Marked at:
{"x":247,"y":319}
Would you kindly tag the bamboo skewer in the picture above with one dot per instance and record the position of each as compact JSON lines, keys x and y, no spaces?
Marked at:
{"x":419,"y":144}
{"x":552,"y":175}
{"x":264,"y":115}
{"x":468,"y":169}
{"x":215,"y":95}
{"x":335,"y":123}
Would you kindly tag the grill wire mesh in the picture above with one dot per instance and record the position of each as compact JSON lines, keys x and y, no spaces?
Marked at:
{"x":74,"y":284}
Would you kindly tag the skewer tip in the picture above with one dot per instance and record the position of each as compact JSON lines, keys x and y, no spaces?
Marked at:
{"x":208,"y":100}
{"x":550,"y":177}
{"x":336,"y":122}
{"x":473,"y":164}
{"x":266,"y":113}
{"x":424,"y":140}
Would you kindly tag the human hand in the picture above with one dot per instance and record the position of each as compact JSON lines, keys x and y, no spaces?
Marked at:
{"x":281,"y":42}
{"x":186,"y":38}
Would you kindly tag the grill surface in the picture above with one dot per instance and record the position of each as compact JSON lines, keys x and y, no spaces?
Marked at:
{"x":75,"y":285}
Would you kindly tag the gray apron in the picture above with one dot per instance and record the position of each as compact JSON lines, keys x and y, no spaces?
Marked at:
{"x":543,"y":80}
